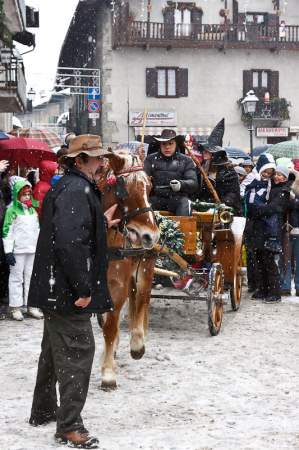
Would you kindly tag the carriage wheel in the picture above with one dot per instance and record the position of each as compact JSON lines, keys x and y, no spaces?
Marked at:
{"x":214,"y":300}
{"x":236,"y":289}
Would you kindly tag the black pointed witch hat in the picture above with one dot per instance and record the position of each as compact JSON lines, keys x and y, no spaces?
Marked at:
{"x":215,"y":138}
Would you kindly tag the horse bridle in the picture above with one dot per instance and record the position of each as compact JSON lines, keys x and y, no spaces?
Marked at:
{"x":122,"y":193}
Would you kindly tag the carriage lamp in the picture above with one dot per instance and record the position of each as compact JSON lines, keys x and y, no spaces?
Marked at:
{"x":249,"y":103}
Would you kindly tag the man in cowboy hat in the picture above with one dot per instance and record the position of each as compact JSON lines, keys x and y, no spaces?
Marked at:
{"x":69,"y":284}
{"x":173,"y":176}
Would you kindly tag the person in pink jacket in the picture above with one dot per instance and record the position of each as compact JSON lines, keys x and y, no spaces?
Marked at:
{"x":46,"y":171}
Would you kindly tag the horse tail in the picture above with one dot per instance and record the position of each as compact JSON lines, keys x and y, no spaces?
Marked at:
{"x":132,"y":302}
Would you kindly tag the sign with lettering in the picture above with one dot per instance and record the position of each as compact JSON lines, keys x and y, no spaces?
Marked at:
{"x":272,"y":132}
{"x":153,"y":119}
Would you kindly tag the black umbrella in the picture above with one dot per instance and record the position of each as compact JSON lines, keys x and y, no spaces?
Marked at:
{"x":236,"y":153}
{"x":257,"y":151}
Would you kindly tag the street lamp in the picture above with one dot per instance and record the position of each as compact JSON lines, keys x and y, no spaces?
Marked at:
{"x":249,"y":106}
{"x":30,"y":96}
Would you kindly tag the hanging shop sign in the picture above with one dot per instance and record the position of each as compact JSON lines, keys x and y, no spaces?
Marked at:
{"x":153,"y":118}
{"x":272,"y":132}
{"x":294,"y":129}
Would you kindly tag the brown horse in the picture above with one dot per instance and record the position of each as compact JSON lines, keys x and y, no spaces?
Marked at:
{"x":131,"y":267}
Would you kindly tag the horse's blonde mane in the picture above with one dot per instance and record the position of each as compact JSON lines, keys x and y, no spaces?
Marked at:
{"x":131,"y":161}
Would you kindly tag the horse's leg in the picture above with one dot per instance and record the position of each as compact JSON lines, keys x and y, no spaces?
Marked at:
{"x":110,"y":332}
{"x":119,"y":292}
{"x":139,"y":298}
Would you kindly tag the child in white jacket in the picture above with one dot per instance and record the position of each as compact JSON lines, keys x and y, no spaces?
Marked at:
{"x":20,"y":234}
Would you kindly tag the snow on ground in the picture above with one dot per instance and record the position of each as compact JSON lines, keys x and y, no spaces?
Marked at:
{"x":239,"y":390}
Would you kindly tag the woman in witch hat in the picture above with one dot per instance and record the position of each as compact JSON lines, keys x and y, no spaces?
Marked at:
{"x":217,"y":166}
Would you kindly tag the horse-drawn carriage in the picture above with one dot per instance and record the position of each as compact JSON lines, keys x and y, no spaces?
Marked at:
{"x":212,"y":260}
{"x":134,"y":247}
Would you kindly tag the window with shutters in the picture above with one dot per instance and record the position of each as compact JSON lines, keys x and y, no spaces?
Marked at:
{"x":182,"y":19}
{"x":261,"y":81}
{"x":167,"y":82}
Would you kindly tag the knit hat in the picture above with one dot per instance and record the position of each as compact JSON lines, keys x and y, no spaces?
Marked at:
{"x":247,"y":162}
{"x":265,"y":161}
{"x":286,"y":162}
{"x":283,"y":170}
{"x":240,"y":171}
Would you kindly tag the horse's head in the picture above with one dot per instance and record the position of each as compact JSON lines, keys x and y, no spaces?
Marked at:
{"x":128,"y":185}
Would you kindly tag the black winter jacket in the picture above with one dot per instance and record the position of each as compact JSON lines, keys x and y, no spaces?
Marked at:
{"x":163,"y":169}
{"x":277,"y":205}
{"x":71,"y":249}
{"x":227,"y":187}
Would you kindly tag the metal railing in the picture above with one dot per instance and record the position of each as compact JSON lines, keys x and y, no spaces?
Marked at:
{"x":139,"y":32}
{"x":278,"y":108}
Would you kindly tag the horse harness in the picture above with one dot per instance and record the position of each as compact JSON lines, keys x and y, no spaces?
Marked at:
{"x":121,"y":193}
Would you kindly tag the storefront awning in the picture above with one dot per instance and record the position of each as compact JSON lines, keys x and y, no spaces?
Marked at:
{"x":156,"y":131}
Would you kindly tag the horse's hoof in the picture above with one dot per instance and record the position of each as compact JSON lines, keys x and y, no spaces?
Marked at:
{"x":138,"y":354}
{"x":108,"y":386}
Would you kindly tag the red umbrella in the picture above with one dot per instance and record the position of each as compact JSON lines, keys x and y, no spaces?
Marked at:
{"x":25,"y":152}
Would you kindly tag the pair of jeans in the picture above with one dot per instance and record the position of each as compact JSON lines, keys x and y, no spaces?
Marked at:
{"x":286,"y":267}
{"x":66,"y":357}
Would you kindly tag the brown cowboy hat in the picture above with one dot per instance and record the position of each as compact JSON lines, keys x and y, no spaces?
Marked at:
{"x":90,"y":144}
{"x":166,"y":135}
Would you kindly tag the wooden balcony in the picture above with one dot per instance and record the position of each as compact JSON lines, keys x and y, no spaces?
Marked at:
{"x":12,"y":87}
{"x":154,"y":34}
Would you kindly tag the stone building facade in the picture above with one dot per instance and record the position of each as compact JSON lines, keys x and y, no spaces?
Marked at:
{"x":188,"y":64}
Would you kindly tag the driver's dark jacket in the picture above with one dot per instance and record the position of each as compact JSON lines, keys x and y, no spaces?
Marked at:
{"x":163,"y":169}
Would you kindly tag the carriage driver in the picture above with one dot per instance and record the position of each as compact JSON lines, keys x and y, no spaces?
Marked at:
{"x":173,"y":176}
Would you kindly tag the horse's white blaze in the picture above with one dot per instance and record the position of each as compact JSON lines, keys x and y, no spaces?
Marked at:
{"x":142,"y":177}
{"x":147,"y":204}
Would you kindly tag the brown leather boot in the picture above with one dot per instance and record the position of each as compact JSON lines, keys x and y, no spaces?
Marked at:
{"x":77,"y":439}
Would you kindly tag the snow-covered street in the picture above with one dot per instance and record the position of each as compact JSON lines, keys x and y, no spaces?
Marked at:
{"x":239,"y":390}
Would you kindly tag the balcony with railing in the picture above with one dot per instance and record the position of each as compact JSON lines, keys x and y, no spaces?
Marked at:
{"x":137,"y":33}
{"x":273,"y":111}
{"x":12,"y":87}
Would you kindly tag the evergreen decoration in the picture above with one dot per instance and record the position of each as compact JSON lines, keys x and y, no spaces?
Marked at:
{"x":172,"y":238}
{"x":278,"y":109}
{"x":170,"y":234}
